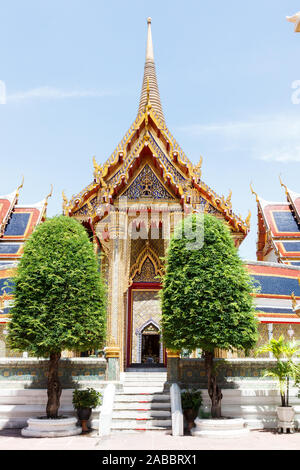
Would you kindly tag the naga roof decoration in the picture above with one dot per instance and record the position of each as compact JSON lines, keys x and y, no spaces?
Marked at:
{"x":279,"y":228}
{"x":149,"y":138}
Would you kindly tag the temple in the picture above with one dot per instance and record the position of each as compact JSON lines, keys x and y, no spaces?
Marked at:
{"x":130,"y":209}
{"x":17,"y":222}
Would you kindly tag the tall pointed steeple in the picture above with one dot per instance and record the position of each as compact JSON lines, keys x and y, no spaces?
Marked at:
{"x":150,"y":76}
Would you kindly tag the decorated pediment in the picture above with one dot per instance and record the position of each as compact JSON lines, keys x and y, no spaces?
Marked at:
{"x":147,"y":186}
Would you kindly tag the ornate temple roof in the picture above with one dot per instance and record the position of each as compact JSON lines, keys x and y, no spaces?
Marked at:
{"x":150,"y":135}
{"x":279,"y":229}
{"x":277,"y":284}
{"x":17,"y":222}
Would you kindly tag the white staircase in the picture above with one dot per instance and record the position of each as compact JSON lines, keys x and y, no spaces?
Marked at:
{"x":144,"y":404}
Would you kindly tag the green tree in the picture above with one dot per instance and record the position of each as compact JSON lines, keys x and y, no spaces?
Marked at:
{"x":59,"y":298}
{"x":206,"y":296}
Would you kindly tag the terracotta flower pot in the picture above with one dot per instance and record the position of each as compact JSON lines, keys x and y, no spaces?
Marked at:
{"x":190,"y":415}
{"x":84,"y":415}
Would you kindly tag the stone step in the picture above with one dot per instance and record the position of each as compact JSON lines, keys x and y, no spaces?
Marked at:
{"x":149,"y":424}
{"x":141,"y":397}
{"x":141,"y":414}
{"x":143,"y":431}
{"x":144,"y":390}
{"x":142,"y":406}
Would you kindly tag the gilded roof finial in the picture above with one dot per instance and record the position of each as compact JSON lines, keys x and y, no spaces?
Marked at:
{"x":253,"y":192}
{"x":20,"y":187}
{"x":65,"y":204}
{"x":228,"y":200}
{"x":49,"y":195}
{"x":197,"y":168}
{"x":295,"y":19}
{"x":284,"y":186}
{"x":248,"y":218}
{"x":98,"y":173}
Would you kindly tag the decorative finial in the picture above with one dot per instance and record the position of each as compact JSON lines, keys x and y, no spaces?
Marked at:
{"x":228,"y":200}
{"x":65,"y":204}
{"x":248,"y":218}
{"x":283,"y":185}
{"x":49,"y":195}
{"x":21,"y":186}
{"x":149,"y":19}
{"x":253,"y":192}
{"x":295,"y":19}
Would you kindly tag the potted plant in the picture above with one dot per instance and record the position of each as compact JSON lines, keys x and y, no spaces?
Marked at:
{"x":84,"y":401}
{"x":191,"y":400}
{"x":284,"y":370}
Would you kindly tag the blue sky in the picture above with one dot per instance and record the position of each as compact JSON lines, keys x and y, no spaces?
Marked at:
{"x":73,"y":73}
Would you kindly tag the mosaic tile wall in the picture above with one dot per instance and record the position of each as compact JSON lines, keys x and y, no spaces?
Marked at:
{"x":72,"y":372}
{"x":230,"y":373}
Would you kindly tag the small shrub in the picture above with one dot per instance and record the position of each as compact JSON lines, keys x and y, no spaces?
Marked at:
{"x":191,"y":399}
{"x":88,"y":398}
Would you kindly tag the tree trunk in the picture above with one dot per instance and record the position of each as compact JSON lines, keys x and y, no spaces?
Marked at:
{"x":54,"y":387}
{"x":214,"y":390}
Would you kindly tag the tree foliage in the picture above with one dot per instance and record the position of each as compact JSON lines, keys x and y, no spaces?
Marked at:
{"x":59,"y":297}
{"x":206,"y":301}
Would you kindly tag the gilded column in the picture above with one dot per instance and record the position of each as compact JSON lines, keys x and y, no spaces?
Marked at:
{"x":117,"y":286}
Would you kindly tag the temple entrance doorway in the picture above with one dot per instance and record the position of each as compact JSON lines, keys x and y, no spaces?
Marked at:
{"x":150,"y":345}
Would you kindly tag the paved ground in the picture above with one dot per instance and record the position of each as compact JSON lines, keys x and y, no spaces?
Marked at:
{"x":11,"y":439}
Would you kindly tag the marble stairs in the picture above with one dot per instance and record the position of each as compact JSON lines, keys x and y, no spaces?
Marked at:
{"x":144,"y":404}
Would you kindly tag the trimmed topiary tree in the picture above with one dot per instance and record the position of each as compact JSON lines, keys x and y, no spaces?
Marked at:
{"x":59,"y":298}
{"x":206,"y":301}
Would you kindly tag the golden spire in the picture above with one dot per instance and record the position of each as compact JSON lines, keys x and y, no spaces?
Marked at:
{"x":150,"y":77}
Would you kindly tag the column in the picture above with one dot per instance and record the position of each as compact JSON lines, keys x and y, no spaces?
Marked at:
{"x":117,"y":286}
{"x":173,"y":375}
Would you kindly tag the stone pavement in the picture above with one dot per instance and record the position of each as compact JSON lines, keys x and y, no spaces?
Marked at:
{"x":11,"y":439}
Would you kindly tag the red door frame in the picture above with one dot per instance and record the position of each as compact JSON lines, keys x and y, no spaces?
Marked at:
{"x":138,"y":286}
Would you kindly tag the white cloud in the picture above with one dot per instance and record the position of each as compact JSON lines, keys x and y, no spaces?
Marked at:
{"x":51,"y":93}
{"x":269,"y":138}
